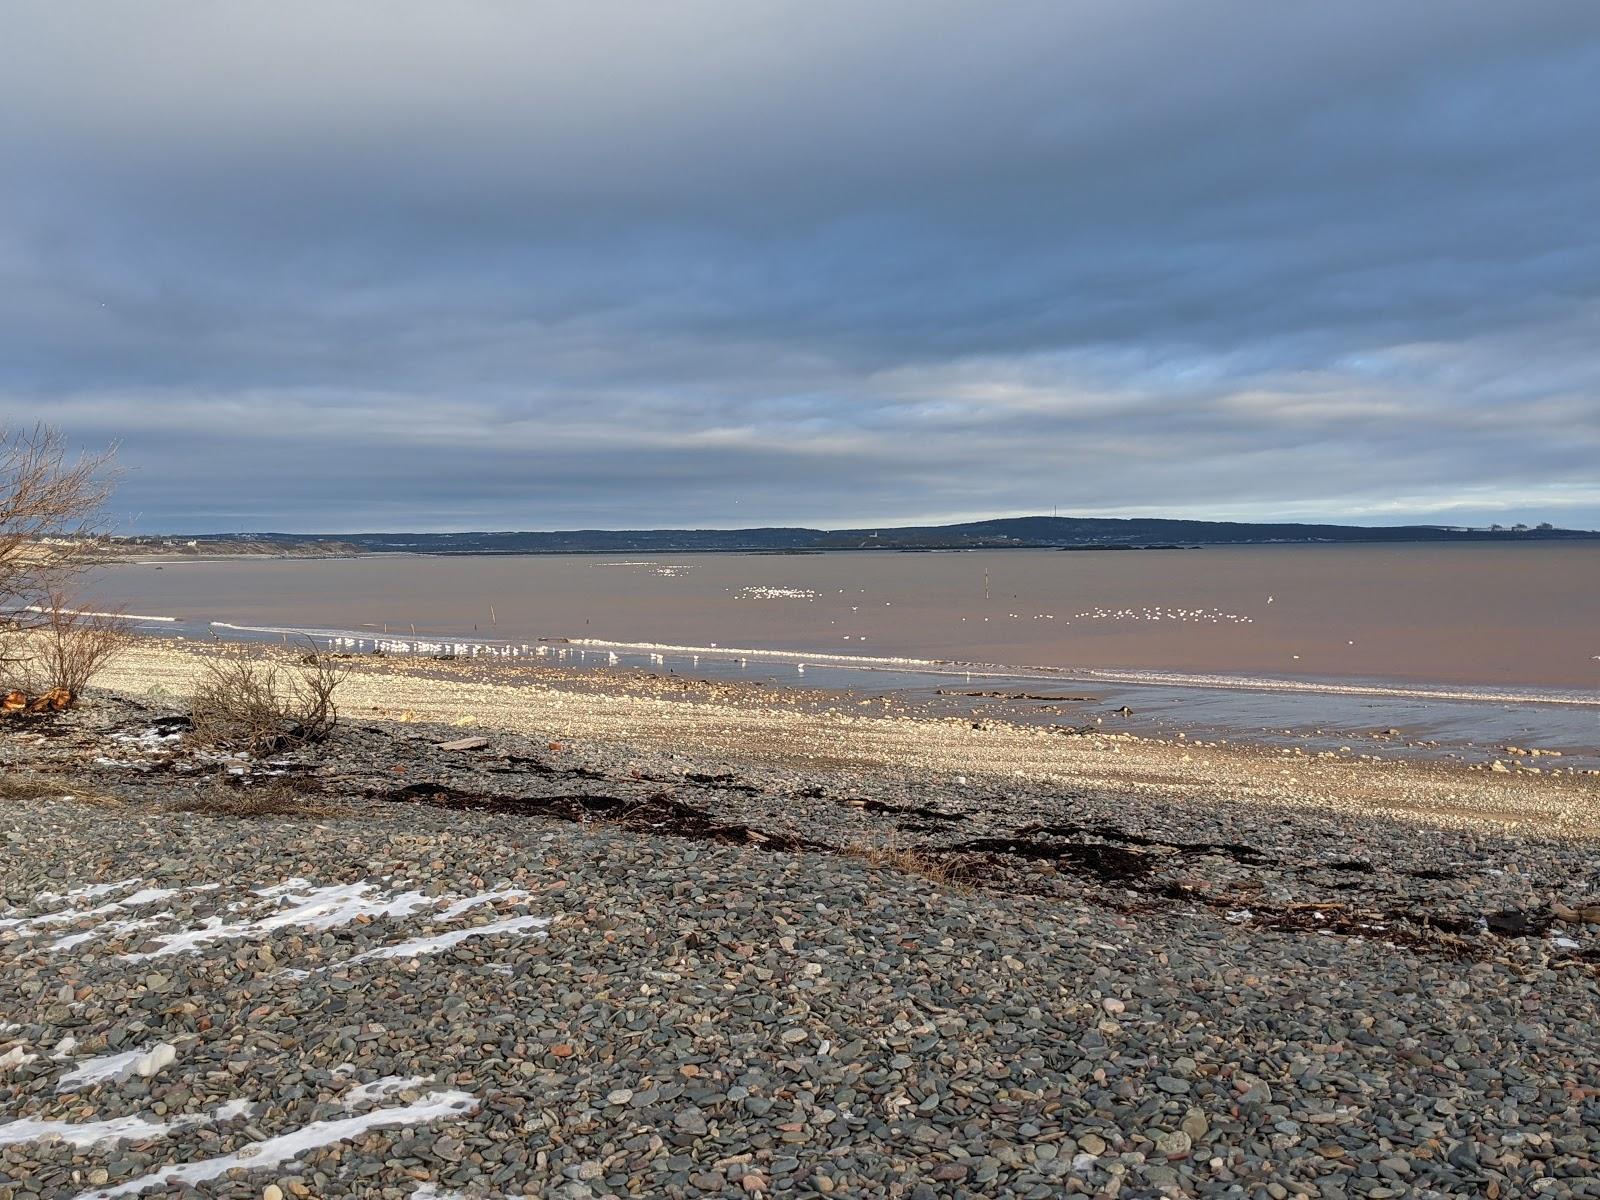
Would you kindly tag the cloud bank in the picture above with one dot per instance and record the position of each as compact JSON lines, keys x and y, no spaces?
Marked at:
{"x":506,"y":265}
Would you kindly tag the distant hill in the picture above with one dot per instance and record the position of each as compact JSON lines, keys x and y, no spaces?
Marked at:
{"x":1064,"y":533}
{"x":272,"y":545}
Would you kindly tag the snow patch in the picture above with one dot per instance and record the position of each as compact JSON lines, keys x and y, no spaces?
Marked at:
{"x":259,"y":913}
{"x":98,"y":1070}
{"x":308,"y":908}
{"x":274,"y":1152}
{"x":91,"y":892}
{"x":88,"y":1133}
{"x":454,"y":937}
{"x":384,"y":1089}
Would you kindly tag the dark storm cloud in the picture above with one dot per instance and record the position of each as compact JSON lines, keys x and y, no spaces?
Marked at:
{"x":505,"y":265}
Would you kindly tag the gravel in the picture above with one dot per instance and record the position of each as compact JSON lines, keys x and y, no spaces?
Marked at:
{"x":651,"y":972}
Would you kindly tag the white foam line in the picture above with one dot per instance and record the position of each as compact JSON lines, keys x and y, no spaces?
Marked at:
{"x":1247,"y":683}
{"x":807,"y":656}
{"x":467,"y":903}
{"x":290,"y":630}
{"x":274,"y":1152}
{"x":935,"y":666}
{"x":34,"y":608}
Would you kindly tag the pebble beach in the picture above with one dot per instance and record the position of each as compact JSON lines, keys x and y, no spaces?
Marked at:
{"x":526,"y":932}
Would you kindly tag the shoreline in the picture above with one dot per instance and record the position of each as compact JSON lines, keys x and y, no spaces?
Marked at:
{"x":796,"y":729}
{"x":603,"y":937}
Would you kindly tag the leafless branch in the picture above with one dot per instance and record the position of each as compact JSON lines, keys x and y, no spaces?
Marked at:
{"x":253,"y":704}
{"x":61,"y":649}
{"x":50,"y":508}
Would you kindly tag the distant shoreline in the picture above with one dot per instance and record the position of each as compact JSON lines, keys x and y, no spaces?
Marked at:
{"x":246,"y":556}
{"x":1008,"y":533}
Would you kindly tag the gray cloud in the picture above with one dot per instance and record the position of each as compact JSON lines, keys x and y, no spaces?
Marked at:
{"x":505,"y":265}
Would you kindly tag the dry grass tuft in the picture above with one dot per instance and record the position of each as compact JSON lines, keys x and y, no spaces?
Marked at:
{"x":261,"y":707}
{"x":909,"y":860}
{"x":18,"y":789}
{"x":257,"y":800}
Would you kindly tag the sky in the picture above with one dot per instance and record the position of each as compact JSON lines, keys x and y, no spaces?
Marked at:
{"x":510,"y":264}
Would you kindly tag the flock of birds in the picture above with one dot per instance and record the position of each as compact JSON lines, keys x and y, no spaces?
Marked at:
{"x":447,"y":649}
{"x":669,"y":570}
{"x":464,"y":649}
{"x":1197,"y":616}
{"x":775,"y":593}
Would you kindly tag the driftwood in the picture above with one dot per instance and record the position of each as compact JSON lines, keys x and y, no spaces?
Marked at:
{"x":53,"y":701}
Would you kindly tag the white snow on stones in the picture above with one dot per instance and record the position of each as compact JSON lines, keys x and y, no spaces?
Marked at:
{"x":384,"y":1089}
{"x":25,"y":926}
{"x":274,"y":1152}
{"x":294,"y":903}
{"x":89,"y":1133}
{"x":454,"y":937}
{"x":91,"y":892}
{"x":309,"y":907}
{"x":432,"y":1105}
{"x":97,"y":1070}
{"x":162,"y":1055}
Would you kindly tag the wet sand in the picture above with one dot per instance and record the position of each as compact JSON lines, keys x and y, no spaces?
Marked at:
{"x":792,"y":730}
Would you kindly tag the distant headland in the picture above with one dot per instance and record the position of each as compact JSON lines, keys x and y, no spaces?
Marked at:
{"x":1034,"y":533}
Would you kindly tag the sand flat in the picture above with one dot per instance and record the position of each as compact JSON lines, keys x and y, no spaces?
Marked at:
{"x":781,"y":730}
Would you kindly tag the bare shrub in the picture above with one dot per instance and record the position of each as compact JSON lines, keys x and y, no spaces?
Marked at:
{"x":61,"y":649}
{"x":275,"y":799}
{"x":259,"y":706}
{"x":50,"y":506}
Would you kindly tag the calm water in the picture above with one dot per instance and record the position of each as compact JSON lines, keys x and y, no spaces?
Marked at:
{"x":1413,"y":630}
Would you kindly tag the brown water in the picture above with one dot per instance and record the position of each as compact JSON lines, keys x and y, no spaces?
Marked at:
{"x":1484,"y":616}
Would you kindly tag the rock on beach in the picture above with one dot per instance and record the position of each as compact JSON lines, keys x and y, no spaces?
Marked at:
{"x":577,"y":973}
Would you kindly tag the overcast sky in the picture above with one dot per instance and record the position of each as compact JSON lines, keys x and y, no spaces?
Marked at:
{"x":510,"y":264}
